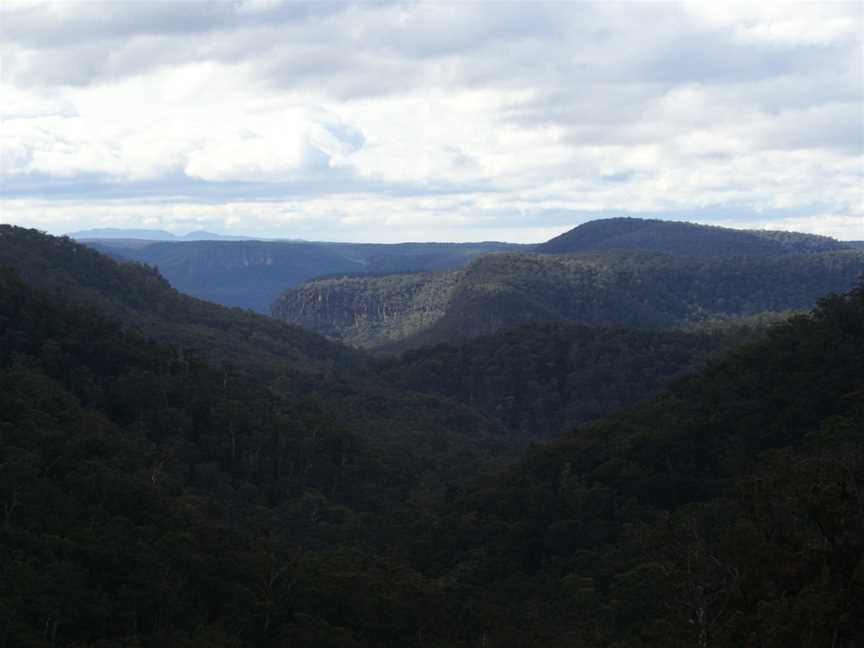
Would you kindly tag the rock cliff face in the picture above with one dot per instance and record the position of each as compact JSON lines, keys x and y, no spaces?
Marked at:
{"x":615,"y":288}
{"x":371,"y":311}
{"x":252,"y":274}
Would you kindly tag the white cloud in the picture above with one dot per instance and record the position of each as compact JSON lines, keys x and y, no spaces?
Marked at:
{"x":378,"y":120}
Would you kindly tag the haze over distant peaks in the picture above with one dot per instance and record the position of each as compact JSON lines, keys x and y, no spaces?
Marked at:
{"x":153,"y":235}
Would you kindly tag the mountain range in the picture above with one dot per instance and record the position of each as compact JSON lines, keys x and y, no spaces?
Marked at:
{"x":253,"y":273}
{"x":123,"y":237}
{"x":685,"y":239}
{"x":178,"y":473}
{"x":615,"y":288}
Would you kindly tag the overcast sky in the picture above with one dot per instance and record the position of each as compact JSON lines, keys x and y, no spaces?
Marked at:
{"x":383,"y":121}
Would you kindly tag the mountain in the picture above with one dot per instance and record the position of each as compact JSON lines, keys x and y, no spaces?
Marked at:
{"x":240,"y":271}
{"x":148,"y":495}
{"x":152,"y":500}
{"x":252,"y":274}
{"x":138,"y":296}
{"x":726,"y":512}
{"x":119,"y":236}
{"x":115,"y":233}
{"x":614,"y":288}
{"x":176,"y":473}
{"x":684,"y":239}
{"x":246,"y":274}
{"x":139,"y":301}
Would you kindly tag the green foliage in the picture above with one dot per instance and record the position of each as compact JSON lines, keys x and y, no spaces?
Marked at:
{"x":503,"y":290}
{"x":139,"y":297}
{"x":539,"y":379}
{"x":252,"y":274}
{"x":728,"y":512}
{"x":684,"y":239}
{"x":270,"y":492}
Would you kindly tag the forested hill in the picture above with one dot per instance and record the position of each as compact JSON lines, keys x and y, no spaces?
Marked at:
{"x":728,"y":512}
{"x":251,"y":274}
{"x":685,"y":239}
{"x":152,"y":496}
{"x":540,"y":379}
{"x":148,"y":500}
{"x":139,"y":296}
{"x":613,"y":288}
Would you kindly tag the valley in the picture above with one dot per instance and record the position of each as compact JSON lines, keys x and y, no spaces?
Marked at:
{"x":568,"y":449}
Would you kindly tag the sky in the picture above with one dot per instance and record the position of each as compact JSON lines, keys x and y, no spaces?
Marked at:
{"x":430,"y":121}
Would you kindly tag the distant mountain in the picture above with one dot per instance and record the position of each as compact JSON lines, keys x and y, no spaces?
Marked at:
{"x":684,"y":239}
{"x":114,"y":234}
{"x":252,"y":274}
{"x":615,"y":288}
{"x":248,"y":274}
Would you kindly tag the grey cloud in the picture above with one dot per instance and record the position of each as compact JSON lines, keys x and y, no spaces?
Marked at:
{"x":87,"y":42}
{"x":833,"y":126}
{"x":598,"y":73}
{"x":435,"y":30}
{"x":318,"y":179}
{"x":51,"y":25}
{"x":379,"y":48}
{"x":710,"y":56}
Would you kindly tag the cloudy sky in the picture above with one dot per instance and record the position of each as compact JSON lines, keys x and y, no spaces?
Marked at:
{"x":446,"y":120}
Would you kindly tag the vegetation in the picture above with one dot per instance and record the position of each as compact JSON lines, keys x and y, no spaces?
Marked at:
{"x":174,"y":473}
{"x":539,"y":379}
{"x":138,"y":296}
{"x":499,"y":291}
{"x":252,"y":274}
{"x":685,"y":239}
{"x":727,"y":512}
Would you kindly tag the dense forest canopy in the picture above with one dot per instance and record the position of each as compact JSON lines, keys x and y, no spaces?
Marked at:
{"x":613,"y":288}
{"x":176,"y":473}
{"x":252,"y":273}
{"x":685,"y":239}
{"x":539,"y":379}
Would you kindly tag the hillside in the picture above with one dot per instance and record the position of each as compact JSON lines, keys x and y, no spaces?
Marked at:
{"x":140,"y":297}
{"x":727,"y":512}
{"x":252,"y":274}
{"x":148,"y":497}
{"x":150,"y":500}
{"x":540,"y":379}
{"x":497,"y":291}
{"x":246,"y":274}
{"x":684,"y":239}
